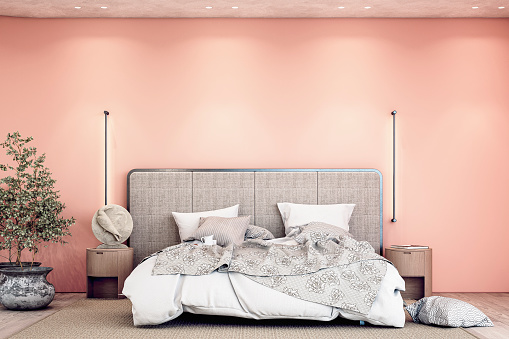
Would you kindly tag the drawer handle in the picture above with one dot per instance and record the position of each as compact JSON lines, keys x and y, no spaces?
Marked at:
{"x":403,"y":253}
{"x":98,"y":252}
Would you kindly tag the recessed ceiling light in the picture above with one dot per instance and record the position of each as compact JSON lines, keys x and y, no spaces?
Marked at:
{"x":104,"y":7}
{"x":501,"y":7}
{"x":234,"y":7}
{"x":367,"y":7}
{"x":475,"y":7}
{"x":341,"y":7}
{"x":208,"y":7}
{"x":77,"y":7}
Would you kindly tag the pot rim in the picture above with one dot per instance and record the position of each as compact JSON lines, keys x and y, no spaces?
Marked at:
{"x":26,"y":270}
{"x":25,"y":263}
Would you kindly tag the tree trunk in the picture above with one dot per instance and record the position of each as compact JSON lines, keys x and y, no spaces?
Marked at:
{"x":18,"y":257}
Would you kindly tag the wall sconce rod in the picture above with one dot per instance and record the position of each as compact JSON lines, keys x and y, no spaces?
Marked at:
{"x":106,"y":113}
{"x":393,"y":166}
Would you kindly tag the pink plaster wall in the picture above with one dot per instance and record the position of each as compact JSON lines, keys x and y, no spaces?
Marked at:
{"x":288,"y":93}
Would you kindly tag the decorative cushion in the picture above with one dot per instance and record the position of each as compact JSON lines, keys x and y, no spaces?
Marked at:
{"x":256,"y":232}
{"x":224,"y":230}
{"x":316,"y":231}
{"x":188,"y":223}
{"x":449,"y":312}
{"x":295,"y":215}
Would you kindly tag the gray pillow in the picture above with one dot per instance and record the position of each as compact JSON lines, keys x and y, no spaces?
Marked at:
{"x":257,"y":232}
{"x":449,"y":312}
{"x":224,"y":230}
{"x":319,"y":231}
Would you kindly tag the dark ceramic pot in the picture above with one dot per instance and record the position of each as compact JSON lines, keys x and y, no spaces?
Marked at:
{"x":25,"y":288}
{"x":27,"y":264}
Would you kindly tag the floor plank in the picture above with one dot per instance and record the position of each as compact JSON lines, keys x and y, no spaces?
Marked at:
{"x":12,"y":322}
{"x":494,"y":305}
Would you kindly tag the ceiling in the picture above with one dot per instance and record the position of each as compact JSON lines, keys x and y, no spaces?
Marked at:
{"x":255,"y":8}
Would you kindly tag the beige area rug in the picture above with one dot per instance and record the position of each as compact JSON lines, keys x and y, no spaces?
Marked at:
{"x":101,"y":318}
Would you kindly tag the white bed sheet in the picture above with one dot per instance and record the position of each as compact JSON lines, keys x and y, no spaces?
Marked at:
{"x":161,"y":298}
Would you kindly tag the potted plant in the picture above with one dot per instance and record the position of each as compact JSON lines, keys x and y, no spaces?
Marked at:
{"x":30,"y":216}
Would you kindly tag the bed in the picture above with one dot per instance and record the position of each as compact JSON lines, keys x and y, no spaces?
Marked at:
{"x":153,"y":194}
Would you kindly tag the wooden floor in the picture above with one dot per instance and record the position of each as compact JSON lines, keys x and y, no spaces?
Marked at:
{"x":11,"y":322}
{"x":494,"y":305}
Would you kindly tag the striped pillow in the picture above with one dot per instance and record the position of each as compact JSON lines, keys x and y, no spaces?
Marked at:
{"x":449,"y":312}
{"x":224,"y":230}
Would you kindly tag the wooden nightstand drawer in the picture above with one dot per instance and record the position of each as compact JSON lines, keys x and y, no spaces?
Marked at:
{"x":414,"y":266}
{"x":107,"y":270}
{"x":409,"y":263}
{"x":102,"y":263}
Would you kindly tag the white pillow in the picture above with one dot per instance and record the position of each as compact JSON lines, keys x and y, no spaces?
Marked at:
{"x":188,"y":223}
{"x":295,"y":215}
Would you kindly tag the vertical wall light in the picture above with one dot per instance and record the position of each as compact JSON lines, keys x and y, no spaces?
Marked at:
{"x":106,"y":113}
{"x":393,"y":166}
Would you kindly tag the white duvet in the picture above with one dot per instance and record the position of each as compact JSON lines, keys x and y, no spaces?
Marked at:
{"x":160,"y":298}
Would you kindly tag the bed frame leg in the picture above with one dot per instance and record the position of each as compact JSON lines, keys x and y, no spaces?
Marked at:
{"x":362,"y":322}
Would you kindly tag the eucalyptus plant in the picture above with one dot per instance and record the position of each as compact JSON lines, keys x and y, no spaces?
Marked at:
{"x":30,"y":210}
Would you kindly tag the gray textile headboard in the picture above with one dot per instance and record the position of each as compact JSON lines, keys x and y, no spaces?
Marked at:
{"x":152,"y":194}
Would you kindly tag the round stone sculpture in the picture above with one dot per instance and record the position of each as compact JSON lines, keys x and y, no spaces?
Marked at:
{"x":112,"y":225}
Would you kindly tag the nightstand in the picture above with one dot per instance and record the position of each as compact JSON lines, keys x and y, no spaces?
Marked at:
{"x":415,"y":268}
{"x":107,"y":270}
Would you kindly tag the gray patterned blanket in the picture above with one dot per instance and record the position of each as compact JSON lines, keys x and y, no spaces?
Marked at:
{"x":327,"y":267}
